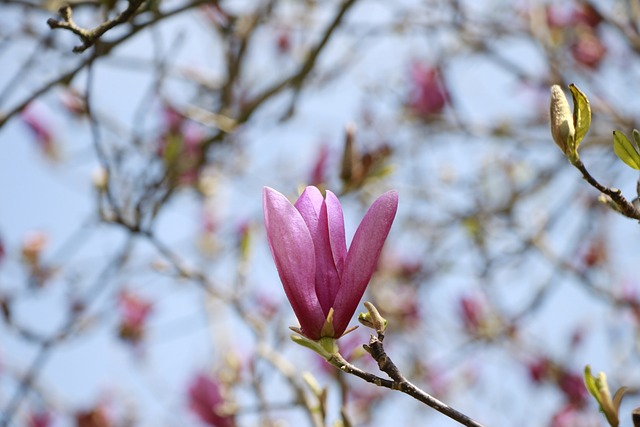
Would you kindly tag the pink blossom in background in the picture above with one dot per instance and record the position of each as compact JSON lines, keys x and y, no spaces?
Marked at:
{"x":134,"y":313}
{"x":572,"y":385}
{"x":577,"y":24}
{"x":558,"y":15}
{"x":192,"y":151}
{"x":472,"y":311}
{"x":428,"y":95}
{"x":319,"y":171}
{"x":73,"y":102}
{"x":629,"y":296}
{"x":207,"y":402}
{"x":172,"y":118}
{"x":40,"y":419}
{"x":565,"y":417}
{"x":308,"y":245}
{"x":585,"y":14}
{"x":33,"y":245}
{"x":571,"y":415}
{"x":588,"y":50}
{"x":209,"y":222}
{"x":214,"y":13}
{"x":283,"y":42}
{"x":39,"y":121}
{"x":592,"y":253}
{"x":539,"y":369}
{"x":180,"y":145}
{"x":2,"y":250}
{"x":398,"y":304}
{"x":266,"y":305}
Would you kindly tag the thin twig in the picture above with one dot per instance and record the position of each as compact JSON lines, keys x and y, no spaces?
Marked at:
{"x":47,"y":346}
{"x":90,"y":36}
{"x":398,"y":381}
{"x":622,"y":204}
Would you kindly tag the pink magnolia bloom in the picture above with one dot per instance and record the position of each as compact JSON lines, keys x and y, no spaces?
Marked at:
{"x":134,"y":310}
{"x":309,"y":248}
{"x":428,"y":93}
{"x":589,"y":50}
{"x":39,"y":419}
{"x":473,"y":313}
{"x":319,"y":171}
{"x":40,"y":124}
{"x":206,"y":401}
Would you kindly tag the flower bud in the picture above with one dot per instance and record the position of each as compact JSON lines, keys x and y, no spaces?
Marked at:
{"x":100,"y":179}
{"x":599,"y":389}
{"x":562,"y":127}
{"x":372,"y":318}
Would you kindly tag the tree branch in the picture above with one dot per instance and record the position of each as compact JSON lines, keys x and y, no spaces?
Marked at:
{"x":622,"y":205}
{"x":398,"y":381}
{"x":90,"y":37}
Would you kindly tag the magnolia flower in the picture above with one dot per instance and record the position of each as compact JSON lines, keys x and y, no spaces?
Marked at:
{"x":134,"y":311}
{"x":428,"y":93}
{"x":322,"y":280}
{"x":40,"y":124}
{"x":588,"y":49}
{"x":40,"y":418}
{"x":207,"y":402}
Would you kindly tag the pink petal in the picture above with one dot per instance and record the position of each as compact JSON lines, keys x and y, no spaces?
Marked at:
{"x":336,"y":231}
{"x":294,"y":254}
{"x":313,"y":209}
{"x":309,"y":204}
{"x":205,"y":400}
{"x":362,"y":257}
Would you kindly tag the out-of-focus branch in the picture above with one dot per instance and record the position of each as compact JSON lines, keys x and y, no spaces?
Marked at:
{"x":105,"y":49}
{"x":290,"y":373}
{"x":90,"y":36}
{"x":47,"y":346}
{"x":297,"y":80}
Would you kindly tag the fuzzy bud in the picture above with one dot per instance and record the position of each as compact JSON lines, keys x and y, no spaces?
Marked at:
{"x":562,"y":127}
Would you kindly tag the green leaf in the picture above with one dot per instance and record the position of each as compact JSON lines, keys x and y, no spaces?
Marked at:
{"x":625,"y":150}
{"x":590,"y":382}
{"x":636,"y":138}
{"x":599,"y":389}
{"x":581,"y":114}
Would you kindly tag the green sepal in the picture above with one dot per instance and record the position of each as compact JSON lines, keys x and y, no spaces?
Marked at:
{"x":327,"y":328}
{"x":325,"y":347}
{"x":626,"y":150}
{"x":581,"y":115}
